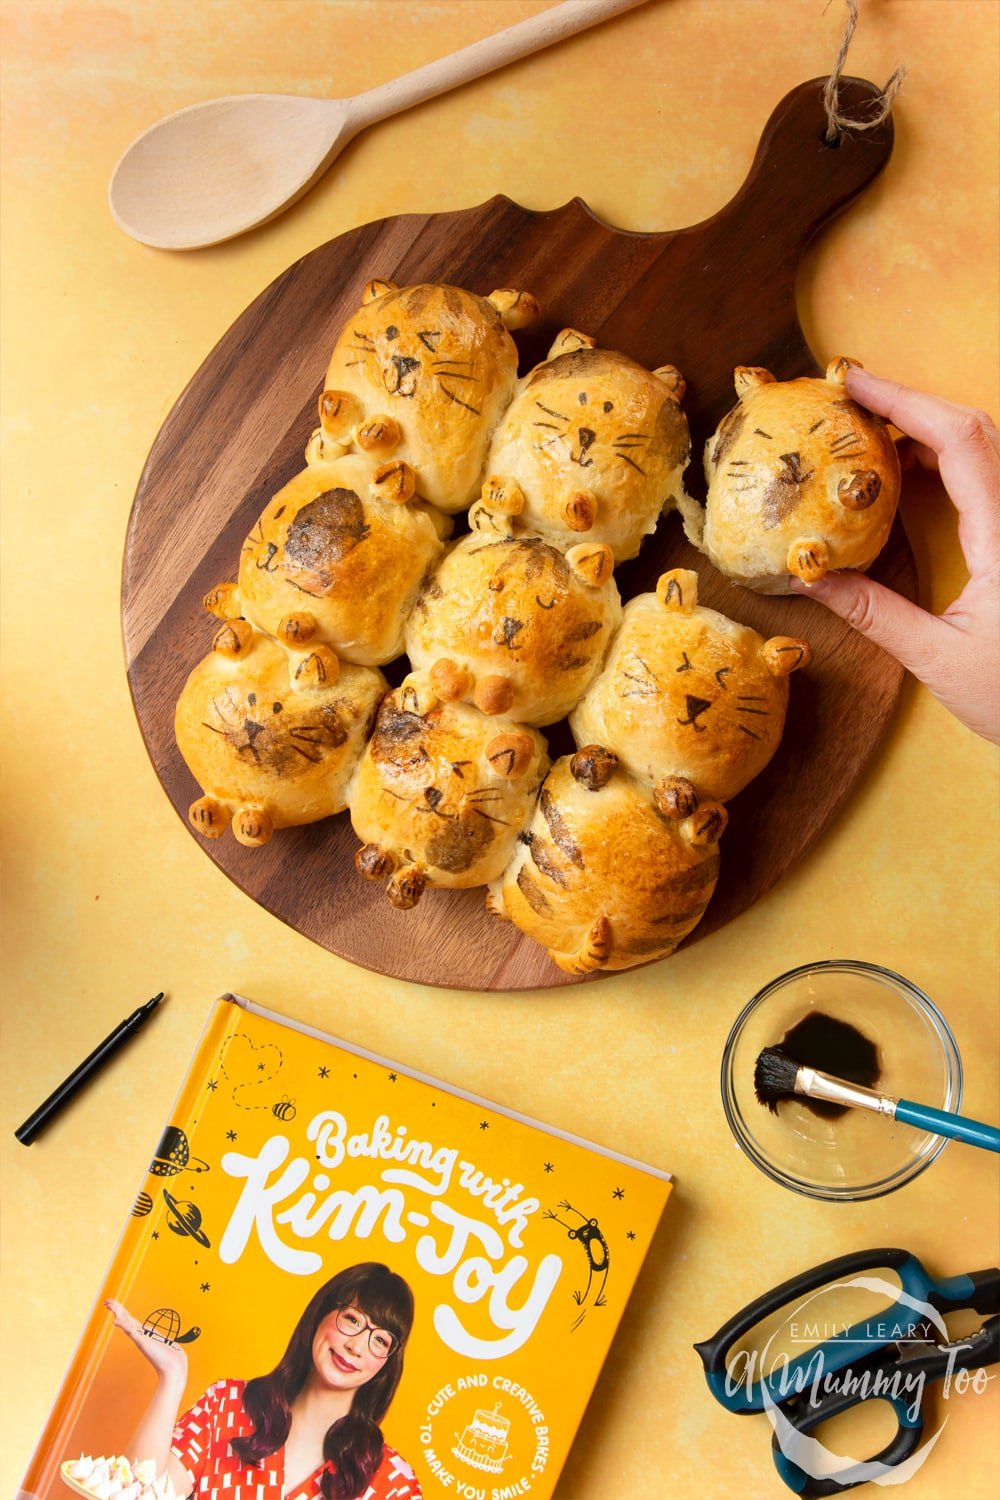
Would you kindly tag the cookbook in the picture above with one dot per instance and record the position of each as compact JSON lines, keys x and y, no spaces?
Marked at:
{"x":445,"y":1273}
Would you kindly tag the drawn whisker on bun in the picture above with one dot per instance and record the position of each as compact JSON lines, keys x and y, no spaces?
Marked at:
{"x":457,"y":399}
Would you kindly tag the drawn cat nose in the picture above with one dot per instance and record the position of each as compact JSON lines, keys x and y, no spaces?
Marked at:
{"x":793,"y":469}
{"x":253,"y":729}
{"x":587,"y":436}
{"x":403,"y":366}
{"x":696,"y":706}
{"x":432,"y":796}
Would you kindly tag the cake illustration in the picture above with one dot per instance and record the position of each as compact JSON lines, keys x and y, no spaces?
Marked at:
{"x":483,"y":1444}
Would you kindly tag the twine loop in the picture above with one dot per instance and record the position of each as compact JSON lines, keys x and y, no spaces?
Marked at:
{"x":876,"y":112}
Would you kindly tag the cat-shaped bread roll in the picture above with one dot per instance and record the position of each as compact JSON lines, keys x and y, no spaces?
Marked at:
{"x":337,"y":557}
{"x":422,"y":374}
{"x":511,"y":623}
{"x":272,"y":737}
{"x":689,"y":701}
{"x":441,"y":792}
{"x":602,"y":878}
{"x":593,"y":447}
{"x":801,"y":480}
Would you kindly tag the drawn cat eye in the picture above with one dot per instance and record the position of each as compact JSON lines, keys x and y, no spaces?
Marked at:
{"x":582,"y":398}
{"x":686,"y":664}
{"x":542,"y":605}
{"x":608,"y":406}
{"x":392,"y":332}
{"x":759,"y":431}
{"x":276,"y":708}
{"x":720,"y":674}
{"x":430,"y":338}
{"x":252,"y":699}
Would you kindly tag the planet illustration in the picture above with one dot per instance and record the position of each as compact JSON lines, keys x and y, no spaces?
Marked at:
{"x":142,"y":1206}
{"x":165,"y":1324}
{"x":173,"y":1155}
{"x":186,"y":1219}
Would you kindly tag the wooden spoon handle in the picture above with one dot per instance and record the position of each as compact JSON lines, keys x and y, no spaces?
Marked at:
{"x":481,"y":57}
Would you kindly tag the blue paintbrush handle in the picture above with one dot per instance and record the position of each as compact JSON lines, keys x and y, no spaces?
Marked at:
{"x":955,"y":1127}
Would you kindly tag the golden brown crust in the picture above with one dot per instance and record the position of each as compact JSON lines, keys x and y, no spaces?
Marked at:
{"x":438,"y":363}
{"x":801,"y":480}
{"x":601,"y":879}
{"x":512,"y":623}
{"x":267,"y":751}
{"x":442,"y":791}
{"x":688,"y":695}
{"x":592,"y":443}
{"x":347,"y":565}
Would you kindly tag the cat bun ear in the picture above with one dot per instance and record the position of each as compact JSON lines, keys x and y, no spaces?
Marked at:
{"x":673,"y":380}
{"x":570,"y":341}
{"x":319,"y":668}
{"x":416,"y":695}
{"x":450,"y":681}
{"x":783,"y":654}
{"x":509,"y":755}
{"x":836,"y":370}
{"x":234,"y":639}
{"x":748,"y":377}
{"x":495,"y":523}
{"x":375,"y":289}
{"x":516,"y":309}
{"x":593,"y":562}
{"x":339,"y":414}
{"x":705,"y":826}
{"x":394,"y":480}
{"x":678,"y":590}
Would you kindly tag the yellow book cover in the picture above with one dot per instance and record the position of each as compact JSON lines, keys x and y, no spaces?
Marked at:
{"x":342,"y":1278}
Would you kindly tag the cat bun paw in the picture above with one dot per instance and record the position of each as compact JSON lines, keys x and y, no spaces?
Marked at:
{"x":406,"y":886}
{"x":503,"y":496}
{"x":859,"y":490}
{"x":808,"y":558}
{"x":579,"y":510}
{"x":593,"y":766}
{"x":252,"y":826}
{"x":296,"y":630}
{"x":374,"y":863}
{"x":339,"y":415}
{"x":209,"y":817}
{"x":223,"y":601}
{"x":783,"y":654}
{"x":234,"y":639}
{"x":450,"y":681}
{"x":675,"y":798}
{"x":516,"y":309}
{"x":705,"y":826}
{"x":378,"y":435}
{"x":493,"y":695}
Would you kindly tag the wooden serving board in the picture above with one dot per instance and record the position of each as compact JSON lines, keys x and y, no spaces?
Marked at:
{"x":705,"y":298}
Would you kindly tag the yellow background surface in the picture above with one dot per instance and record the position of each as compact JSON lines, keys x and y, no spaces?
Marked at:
{"x":653,"y":120}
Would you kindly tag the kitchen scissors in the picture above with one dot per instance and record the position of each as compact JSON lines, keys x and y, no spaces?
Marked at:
{"x":883,"y":1357}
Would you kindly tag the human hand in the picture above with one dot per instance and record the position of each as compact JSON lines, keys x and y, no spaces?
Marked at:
{"x":170,"y":1361}
{"x":955,"y":654}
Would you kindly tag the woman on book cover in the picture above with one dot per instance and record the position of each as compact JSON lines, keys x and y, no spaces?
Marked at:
{"x":308,"y":1429}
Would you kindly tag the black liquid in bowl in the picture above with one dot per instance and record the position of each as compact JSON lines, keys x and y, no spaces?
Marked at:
{"x":835,"y":1047}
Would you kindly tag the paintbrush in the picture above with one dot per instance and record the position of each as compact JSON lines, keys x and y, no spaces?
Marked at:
{"x":777,"y":1076}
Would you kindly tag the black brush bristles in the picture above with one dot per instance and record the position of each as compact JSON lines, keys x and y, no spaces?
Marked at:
{"x":774,"y":1078}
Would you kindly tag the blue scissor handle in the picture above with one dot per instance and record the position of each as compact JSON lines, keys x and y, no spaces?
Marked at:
{"x":971,"y":1352}
{"x":979,"y":1291}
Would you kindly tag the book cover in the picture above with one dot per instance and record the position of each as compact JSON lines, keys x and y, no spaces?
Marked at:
{"x":341,"y":1277}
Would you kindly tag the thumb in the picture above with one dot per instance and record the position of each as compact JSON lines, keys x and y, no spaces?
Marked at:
{"x":900,"y":627}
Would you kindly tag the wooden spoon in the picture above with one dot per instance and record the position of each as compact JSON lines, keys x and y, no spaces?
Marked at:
{"x":216,"y":169}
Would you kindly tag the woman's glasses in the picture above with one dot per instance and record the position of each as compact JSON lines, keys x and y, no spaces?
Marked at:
{"x":353,"y":1324}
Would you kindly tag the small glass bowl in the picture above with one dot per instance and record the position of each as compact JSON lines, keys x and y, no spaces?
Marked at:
{"x":859,"y":1154}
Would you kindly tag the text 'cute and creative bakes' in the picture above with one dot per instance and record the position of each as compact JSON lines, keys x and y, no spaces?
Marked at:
{"x":801,"y":480}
